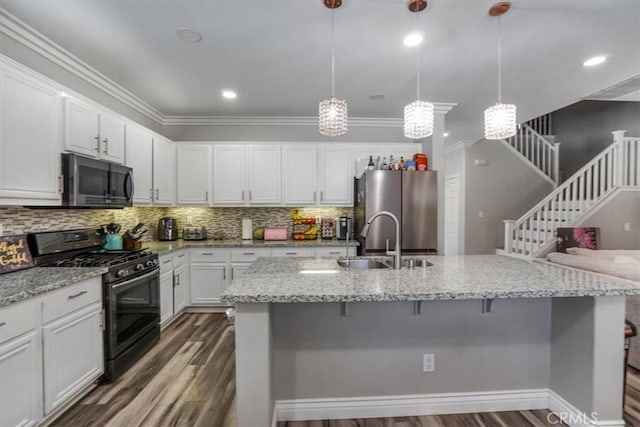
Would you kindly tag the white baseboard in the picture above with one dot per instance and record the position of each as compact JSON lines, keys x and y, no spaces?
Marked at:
{"x":574,"y":417}
{"x":411,"y":405}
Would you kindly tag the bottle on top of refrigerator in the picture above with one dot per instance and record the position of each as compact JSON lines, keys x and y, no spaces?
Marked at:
{"x":371,"y":166}
{"x":385,"y":166}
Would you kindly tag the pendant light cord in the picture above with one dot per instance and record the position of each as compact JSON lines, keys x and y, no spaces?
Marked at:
{"x":333,"y":55}
{"x":499,"y":60}
{"x":418,"y":59}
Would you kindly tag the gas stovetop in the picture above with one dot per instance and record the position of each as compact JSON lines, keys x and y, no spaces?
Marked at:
{"x":101,"y":258}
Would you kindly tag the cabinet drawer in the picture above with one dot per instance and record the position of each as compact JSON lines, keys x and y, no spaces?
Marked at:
{"x":166,"y":263}
{"x":334,"y":252}
{"x":293,"y":252}
{"x":179,"y":258}
{"x":16,"y":319}
{"x":208,"y":255}
{"x":248,"y":254}
{"x":71,"y":298}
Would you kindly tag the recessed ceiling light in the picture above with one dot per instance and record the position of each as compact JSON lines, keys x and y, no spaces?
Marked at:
{"x":229,"y":94}
{"x":446,"y":134}
{"x":596,"y":60}
{"x":377,"y":97}
{"x":189,"y":35}
{"x":413,"y":39}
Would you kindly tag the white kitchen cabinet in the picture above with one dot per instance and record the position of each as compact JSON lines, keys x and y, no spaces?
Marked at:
{"x":30,"y":138}
{"x":264,"y":174}
{"x":208,"y":281}
{"x":335,"y":175}
{"x":334,"y":252}
{"x":293,"y":252}
{"x":20,"y":364}
{"x":194,"y":174}
{"x":299,"y":175}
{"x":92,"y":132}
{"x":181,"y":281}
{"x":237,"y":269}
{"x":166,"y":288}
{"x":164,"y":172}
{"x":229,"y":175}
{"x":67,"y":370}
{"x":139,"y":157}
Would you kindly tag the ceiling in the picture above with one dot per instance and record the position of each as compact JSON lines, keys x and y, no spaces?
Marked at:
{"x":277,"y":54}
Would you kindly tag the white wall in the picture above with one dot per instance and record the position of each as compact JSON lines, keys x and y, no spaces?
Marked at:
{"x":455,"y":164}
{"x":623,"y":208}
{"x":505,"y":188}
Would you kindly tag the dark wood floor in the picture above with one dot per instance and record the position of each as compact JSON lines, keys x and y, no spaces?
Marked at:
{"x":188,"y":379}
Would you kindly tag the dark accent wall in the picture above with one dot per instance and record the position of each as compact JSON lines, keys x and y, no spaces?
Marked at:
{"x":584,"y":129}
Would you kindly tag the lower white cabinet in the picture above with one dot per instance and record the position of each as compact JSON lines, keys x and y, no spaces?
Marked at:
{"x":166,"y":296}
{"x":180,"y":288}
{"x":208,"y":281}
{"x":20,"y":364}
{"x":73,"y":354}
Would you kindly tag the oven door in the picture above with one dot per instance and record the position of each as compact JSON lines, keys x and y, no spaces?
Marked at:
{"x":133,"y":309}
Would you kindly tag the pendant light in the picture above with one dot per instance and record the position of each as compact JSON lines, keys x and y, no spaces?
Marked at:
{"x":500,"y":119}
{"x":332,"y":112}
{"x":418,"y":116}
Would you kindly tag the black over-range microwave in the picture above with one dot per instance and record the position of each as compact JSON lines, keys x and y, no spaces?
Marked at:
{"x":92,"y":183}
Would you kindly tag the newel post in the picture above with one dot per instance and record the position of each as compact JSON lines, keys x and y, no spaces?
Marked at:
{"x":556,"y":163}
{"x":619,"y":168}
{"x":508,"y":235}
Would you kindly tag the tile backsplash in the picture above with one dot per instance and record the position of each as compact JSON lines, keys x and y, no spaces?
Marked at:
{"x":226,"y":220}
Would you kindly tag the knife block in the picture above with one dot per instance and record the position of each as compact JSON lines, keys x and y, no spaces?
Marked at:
{"x":130,"y":244}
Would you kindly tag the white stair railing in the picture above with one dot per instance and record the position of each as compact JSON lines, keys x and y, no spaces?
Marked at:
{"x":543,"y":124}
{"x":616,"y":166}
{"x":542,"y":154}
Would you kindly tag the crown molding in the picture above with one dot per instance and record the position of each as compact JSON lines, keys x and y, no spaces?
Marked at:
{"x":460,"y":145}
{"x":32,"y":39}
{"x":37,"y":42}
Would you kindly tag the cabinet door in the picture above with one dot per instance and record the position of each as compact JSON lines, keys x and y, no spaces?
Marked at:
{"x":81,"y":128}
{"x":112,"y":131}
{"x":164,"y":172}
{"x":238,"y":269}
{"x":265,"y":174}
{"x":336,"y":176}
{"x":181,"y":284}
{"x":67,"y":370}
{"x":139,"y":156}
{"x":299,"y":176}
{"x":30,"y":140}
{"x":194,"y":174}
{"x":166,"y":296}
{"x":334,"y":252}
{"x":208,"y":281}
{"x":229,"y":175}
{"x":21,"y":380}
{"x":294,"y":252}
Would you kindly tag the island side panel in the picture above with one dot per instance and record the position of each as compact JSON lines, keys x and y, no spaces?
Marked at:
{"x":587,"y":344}
{"x":254,"y":397}
{"x":376,"y":350}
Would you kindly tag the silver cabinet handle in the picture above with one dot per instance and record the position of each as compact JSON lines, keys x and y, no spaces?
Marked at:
{"x":97,"y":138}
{"x":206,"y":253}
{"x":106,"y":145}
{"x":335,"y":253}
{"x":77,"y":295}
{"x":321,"y":196}
{"x":165,"y":262}
{"x":180,"y":256}
{"x":60,"y":183}
{"x":249,"y":195}
{"x":249,"y":253}
{"x":157,"y":194}
{"x":206,"y":196}
{"x":224,"y":274}
{"x":314,"y":196}
{"x":291,"y":253}
{"x":243,"y":195}
{"x":3,"y":323}
{"x":178,"y":280}
{"x":151,"y":190}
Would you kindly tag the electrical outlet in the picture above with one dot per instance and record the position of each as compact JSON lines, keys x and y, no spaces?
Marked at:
{"x":1,"y":230}
{"x":189,"y":220}
{"x":480,"y":214}
{"x":627,"y":226}
{"x":428,"y":362}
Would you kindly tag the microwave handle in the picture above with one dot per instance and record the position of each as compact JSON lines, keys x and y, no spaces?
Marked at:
{"x":129,"y":186}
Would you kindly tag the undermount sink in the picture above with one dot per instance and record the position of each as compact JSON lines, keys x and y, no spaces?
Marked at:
{"x":362,"y":264}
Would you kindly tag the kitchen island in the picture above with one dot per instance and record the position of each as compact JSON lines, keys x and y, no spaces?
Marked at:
{"x":314,"y":341}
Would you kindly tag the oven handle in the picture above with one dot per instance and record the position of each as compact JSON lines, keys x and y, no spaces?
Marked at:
{"x":135,"y":279}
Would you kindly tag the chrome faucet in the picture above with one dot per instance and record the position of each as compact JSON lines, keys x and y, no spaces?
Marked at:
{"x":396,"y":252}
{"x":347,"y":265}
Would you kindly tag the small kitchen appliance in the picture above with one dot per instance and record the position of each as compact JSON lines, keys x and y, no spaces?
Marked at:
{"x":194,"y":233}
{"x":247,"y":229}
{"x":112,"y":237}
{"x":275,"y":233}
{"x":343,"y":226}
{"x":167,"y":229}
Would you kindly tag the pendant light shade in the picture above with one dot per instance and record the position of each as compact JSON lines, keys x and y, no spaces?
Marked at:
{"x":418,"y":119}
{"x":418,"y":116}
{"x":332,"y":112}
{"x":500,"y":120}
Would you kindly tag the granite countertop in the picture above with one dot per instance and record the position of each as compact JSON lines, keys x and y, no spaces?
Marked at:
{"x":283,"y":280}
{"x":161,"y":247}
{"x":24,"y":284}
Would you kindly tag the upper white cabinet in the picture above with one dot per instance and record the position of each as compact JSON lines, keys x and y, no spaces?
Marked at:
{"x":229,"y":175}
{"x":139,"y":157}
{"x":194,"y":174}
{"x":265,"y":174}
{"x":30,"y":139}
{"x":335,"y":175}
{"x":91,"y":132}
{"x":299,"y":174}
{"x":164,"y":171}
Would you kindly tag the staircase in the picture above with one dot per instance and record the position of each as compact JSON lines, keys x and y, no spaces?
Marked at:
{"x":615,"y":168}
{"x":538,"y":150}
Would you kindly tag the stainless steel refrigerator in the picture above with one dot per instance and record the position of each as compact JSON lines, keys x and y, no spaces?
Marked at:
{"x":410,"y":196}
